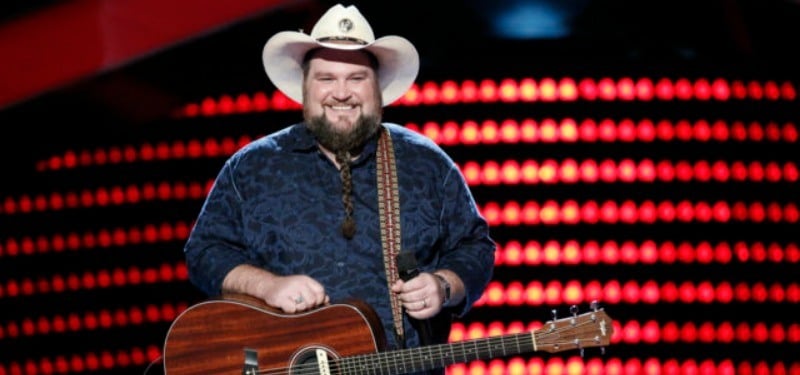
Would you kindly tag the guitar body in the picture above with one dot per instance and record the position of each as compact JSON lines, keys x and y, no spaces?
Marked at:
{"x":212,"y":337}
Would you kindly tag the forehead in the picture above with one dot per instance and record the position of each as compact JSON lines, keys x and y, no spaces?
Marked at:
{"x":326,"y":55}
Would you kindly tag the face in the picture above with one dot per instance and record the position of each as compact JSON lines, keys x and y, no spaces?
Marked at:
{"x":341,"y":100}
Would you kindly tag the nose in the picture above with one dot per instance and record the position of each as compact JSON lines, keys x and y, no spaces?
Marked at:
{"x":341,"y":91}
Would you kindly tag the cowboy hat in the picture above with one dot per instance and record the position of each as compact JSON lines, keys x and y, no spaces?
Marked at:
{"x":345,"y":29}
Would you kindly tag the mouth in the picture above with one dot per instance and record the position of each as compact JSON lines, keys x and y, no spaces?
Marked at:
{"x":342,"y":107}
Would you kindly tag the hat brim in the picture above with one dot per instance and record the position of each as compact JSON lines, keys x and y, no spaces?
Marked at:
{"x":398,"y":63}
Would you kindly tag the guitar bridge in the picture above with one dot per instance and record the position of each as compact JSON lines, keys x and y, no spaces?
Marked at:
{"x":250,"y":362}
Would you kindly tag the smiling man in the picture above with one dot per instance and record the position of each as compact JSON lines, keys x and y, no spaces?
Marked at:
{"x":315,"y":213}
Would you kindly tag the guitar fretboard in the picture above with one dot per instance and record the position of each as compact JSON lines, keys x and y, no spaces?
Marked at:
{"x":435,"y":356}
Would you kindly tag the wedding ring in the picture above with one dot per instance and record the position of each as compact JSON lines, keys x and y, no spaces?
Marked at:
{"x":298,"y":300}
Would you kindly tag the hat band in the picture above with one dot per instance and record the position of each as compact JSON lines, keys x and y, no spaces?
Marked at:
{"x":342,"y":39}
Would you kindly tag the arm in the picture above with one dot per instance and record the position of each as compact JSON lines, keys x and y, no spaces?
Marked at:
{"x":219,"y":260}
{"x":467,"y":255}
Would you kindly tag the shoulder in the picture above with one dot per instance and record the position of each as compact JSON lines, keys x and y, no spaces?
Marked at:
{"x":405,"y":138}
{"x":419,"y":153}
{"x":284,"y":140}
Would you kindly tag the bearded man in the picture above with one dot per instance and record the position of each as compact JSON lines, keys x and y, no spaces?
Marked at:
{"x":315,"y":213}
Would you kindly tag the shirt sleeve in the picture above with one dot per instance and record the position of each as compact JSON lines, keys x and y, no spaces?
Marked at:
{"x":468,"y":250}
{"x":215,"y":244}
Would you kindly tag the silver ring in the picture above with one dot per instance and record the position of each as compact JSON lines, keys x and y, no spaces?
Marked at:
{"x":424,"y":303}
{"x":298,"y":300}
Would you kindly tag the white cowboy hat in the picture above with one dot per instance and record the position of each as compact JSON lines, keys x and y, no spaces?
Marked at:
{"x":398,"y":61}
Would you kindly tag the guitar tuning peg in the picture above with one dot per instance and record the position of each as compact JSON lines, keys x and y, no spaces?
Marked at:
{"x":574,"y":310}
{"x":555,"y":314}
{"x":581,"y":351}
{"x":603,"y":350}
{"x":595,"y":305}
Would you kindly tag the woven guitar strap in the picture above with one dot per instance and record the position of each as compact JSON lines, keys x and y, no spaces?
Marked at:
{"x":389,"y":214}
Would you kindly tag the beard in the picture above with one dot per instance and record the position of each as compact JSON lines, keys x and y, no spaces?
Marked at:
{"x":337,"y":141}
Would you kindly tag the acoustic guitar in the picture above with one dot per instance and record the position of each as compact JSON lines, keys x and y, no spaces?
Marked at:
{"x":237,"y":334}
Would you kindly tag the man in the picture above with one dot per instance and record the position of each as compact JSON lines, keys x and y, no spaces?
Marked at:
{"x":294,"y":218}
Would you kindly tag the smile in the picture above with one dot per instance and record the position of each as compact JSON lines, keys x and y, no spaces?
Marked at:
{"x":341,"y":107}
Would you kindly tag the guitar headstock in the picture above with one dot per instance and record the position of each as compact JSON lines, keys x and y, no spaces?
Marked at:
{"x":578,"y":331}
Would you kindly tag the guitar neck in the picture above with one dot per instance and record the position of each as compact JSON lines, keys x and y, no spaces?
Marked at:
{"x":592,"y":329}
{"x":437,"y":356}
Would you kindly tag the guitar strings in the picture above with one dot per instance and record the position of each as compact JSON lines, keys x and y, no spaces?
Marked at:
{"x":375,"y":362}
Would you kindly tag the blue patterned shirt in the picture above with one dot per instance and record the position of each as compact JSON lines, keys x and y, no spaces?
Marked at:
{"x":277,"y":204}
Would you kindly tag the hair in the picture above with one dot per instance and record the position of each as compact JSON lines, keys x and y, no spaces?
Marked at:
{"x":349,"y":223}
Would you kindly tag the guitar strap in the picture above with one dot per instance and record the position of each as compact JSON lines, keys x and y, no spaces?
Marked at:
{"x":389,"y":215}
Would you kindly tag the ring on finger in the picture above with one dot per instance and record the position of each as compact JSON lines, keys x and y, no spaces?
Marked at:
{"x":424,"y":303}
{"x":298,"y":300}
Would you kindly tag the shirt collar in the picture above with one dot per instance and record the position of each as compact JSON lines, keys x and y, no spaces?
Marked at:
{"x":303,"y":141}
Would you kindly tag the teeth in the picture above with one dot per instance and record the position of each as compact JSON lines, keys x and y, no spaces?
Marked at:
{"x":341,"y":107}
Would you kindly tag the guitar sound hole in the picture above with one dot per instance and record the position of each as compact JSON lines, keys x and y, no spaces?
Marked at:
{"x":305,"y":362}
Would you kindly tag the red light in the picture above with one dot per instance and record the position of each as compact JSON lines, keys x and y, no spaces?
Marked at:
{"x":626,"y":131}
{"x":630,"y":332}
{"x":568,"y":131}
{"x":260,"y":102}
{"x":548,"y":90}
{"x":226,"y":104}
{"x":528,"y":90}
{"x":488,"y":91}
{"x":611,"y":292}
{"x":549,"y":213}
{"x":511,"y":213}
{"x":491,"y":173}
{"x":449,"y":134}
{"x":534,"y":293}
{"x":587,"y":89}
{"x":469,"y":91}
{"x":548,"y":172}
{"x":644,"y":89}
{"x":626,"y":89}
{"x":510,"y":172}
{"x":607,"y":131}
{"x":472,"y":172}
{"x":607,"y":89}
{"x":552,"y":293}
{"x":683,"y":89}
{"x":430,"y":93}
{"x":509,"y":91}
{"x":548,"y":131}
{"x":470,"y":133}
{"x":630,"y":292}
{"x":449,"y":92}
{"x":567,"y":89}
{"x":533,"y":253}
{"x":529,"y":131}
{"x":588,"y":131}
{"x":720,"y":89}
{"x":510,"y":132}
{"x":489,"y":132}
{"x":664,"y":90}
{"x":589,"y":171}
{"x":702,"y":89}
